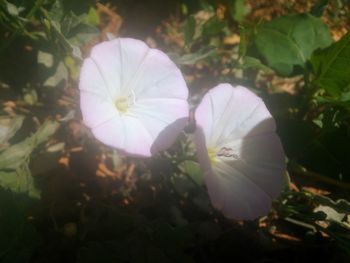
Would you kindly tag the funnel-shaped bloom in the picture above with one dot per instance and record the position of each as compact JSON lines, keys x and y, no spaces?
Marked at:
{"x":239,"y":152}
{"x":132,"y":97}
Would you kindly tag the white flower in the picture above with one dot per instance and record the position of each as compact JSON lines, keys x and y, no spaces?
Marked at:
{"x":240,"y":154}
{"x":132,"y":97}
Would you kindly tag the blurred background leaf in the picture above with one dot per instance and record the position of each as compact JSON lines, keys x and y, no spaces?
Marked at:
{"x":290,"y":40}
{"x":331,"y":69}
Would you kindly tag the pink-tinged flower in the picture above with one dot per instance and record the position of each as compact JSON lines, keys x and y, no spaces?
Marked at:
{"x":132,"y":97}
{"x":239,"y":152}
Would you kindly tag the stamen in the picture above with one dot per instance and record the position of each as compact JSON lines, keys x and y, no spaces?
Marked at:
{"x":223,"y":152}
{"x":227,"y":152}
{"x":133,"y":96}
{"x":212,"y":156}
{"x":123,"y":103}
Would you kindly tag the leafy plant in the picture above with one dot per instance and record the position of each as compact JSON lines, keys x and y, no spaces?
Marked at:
{"x":66,"y":198}
{"x":289,"y":41}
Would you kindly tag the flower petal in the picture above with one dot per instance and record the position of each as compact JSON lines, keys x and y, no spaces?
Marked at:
{"x":230,"y":191}
{"x":234,"y":194}
{"x":160,"y":78}
{"x":96,"y":109}
{"x":241,"y":182}
{"x":161,"y":115}
{"x":125,"y":133}
{"x":118,"y":61}
{"x":133,"y":54}
{"x":228,"y":113}
{"x":91,"y":80}
{"x":262,"y":160}
{"x":96,"y":103}
{"x":106,"y":57}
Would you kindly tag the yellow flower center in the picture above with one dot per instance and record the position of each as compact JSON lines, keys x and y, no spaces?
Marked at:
{"x":212,"y":155}
{"x":122,"y":104}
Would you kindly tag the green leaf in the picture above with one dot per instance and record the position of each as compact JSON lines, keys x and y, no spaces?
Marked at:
{"x":319,"y":7}
{"x":331,"y":67}
{"x":61,"y":74}
{"x":213,"y":26}
{"x":45,"y":59}
{"x":14,"y":172}
{"x":341,"y":205}
{"x":86,"y":34}
{"x":8,"y":127}
{"x":56,"y":12}
{"x":72,"y":66}
{"x":331,"y":213}
{"x":342,"y":100}
{"x":243,"y":45}
{"x":72,"y":31}
{"x":181,"y":185}
{"x":92,"y":17}
{"x":192,"y":169}
{"x":14,"y":156}
{"x":189,"y":29}
{"x":12,"y":9}
{"x":47,"y":129}
{"x":30,"y":96}
{"x":19,"y":181}
{"x":290,"y":40}
{"x":238,"y":10}
{"x":193,"y":58}
{"x":251,"y":62}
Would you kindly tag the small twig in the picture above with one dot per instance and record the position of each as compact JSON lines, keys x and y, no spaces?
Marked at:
{"x":300,"y":170}
{"x":52,"y":207}
{"x":300,"y":223}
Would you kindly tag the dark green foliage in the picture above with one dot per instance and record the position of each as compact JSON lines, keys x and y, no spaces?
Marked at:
{"x":331,"y":68}
{"x":289,"y":41}
{"x":54,"y":210}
